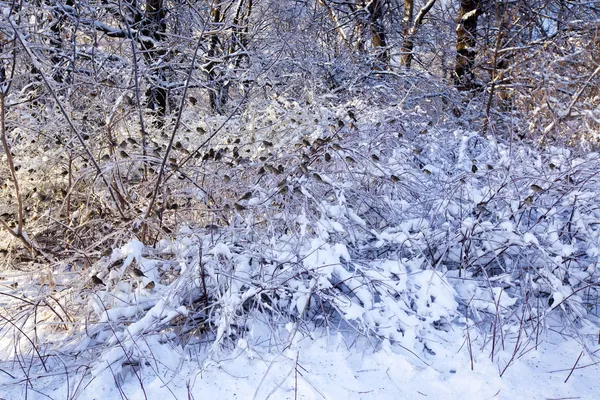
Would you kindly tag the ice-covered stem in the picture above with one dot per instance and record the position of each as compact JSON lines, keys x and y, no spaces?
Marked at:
{"x":18,"y":232}
{"x":11,"y":167}
{"x":495,"y":75}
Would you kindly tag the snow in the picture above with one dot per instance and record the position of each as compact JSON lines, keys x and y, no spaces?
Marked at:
{"x":330,"y":367}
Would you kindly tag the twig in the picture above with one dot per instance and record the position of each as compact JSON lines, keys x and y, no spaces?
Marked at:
{"x":574,"y":365}
{"x":468,"y":333}
{"x":574,"y":100}
{"x":28,"y":339}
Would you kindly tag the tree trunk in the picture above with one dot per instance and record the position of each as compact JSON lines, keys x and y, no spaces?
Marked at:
{"x":219,"y":91}
{"x":407,"y":44}
{"x":378,"y":36}
{"x":240,"y":39}
{"x":336,"y":23}
{"x":410,"y":31}
{"x":466,"y":31}
{"x":154,"y":28}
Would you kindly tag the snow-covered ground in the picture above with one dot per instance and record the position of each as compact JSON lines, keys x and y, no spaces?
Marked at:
{"x":330,"y":367}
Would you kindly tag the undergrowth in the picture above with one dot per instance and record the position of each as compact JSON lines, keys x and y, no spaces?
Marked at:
{"x":356,"y":215}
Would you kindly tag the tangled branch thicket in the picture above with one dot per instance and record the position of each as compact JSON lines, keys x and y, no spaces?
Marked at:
{"x":300,"y":185}
{"x":362,"y":221}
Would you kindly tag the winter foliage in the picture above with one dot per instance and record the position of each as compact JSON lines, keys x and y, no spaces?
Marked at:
{"x":256,"y":181}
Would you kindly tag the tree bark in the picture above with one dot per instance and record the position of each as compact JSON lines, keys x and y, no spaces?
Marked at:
{"x":407,"y":44}
{"x":218,"y":93}
{"x":154,"y":30}
{"x":410,"y":31}
{"x":378,"y":36}
{"x":336,"y":23}
{"x":466,"y":31}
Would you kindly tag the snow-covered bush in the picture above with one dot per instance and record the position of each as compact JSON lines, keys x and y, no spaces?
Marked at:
{"x":339,"y":215}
